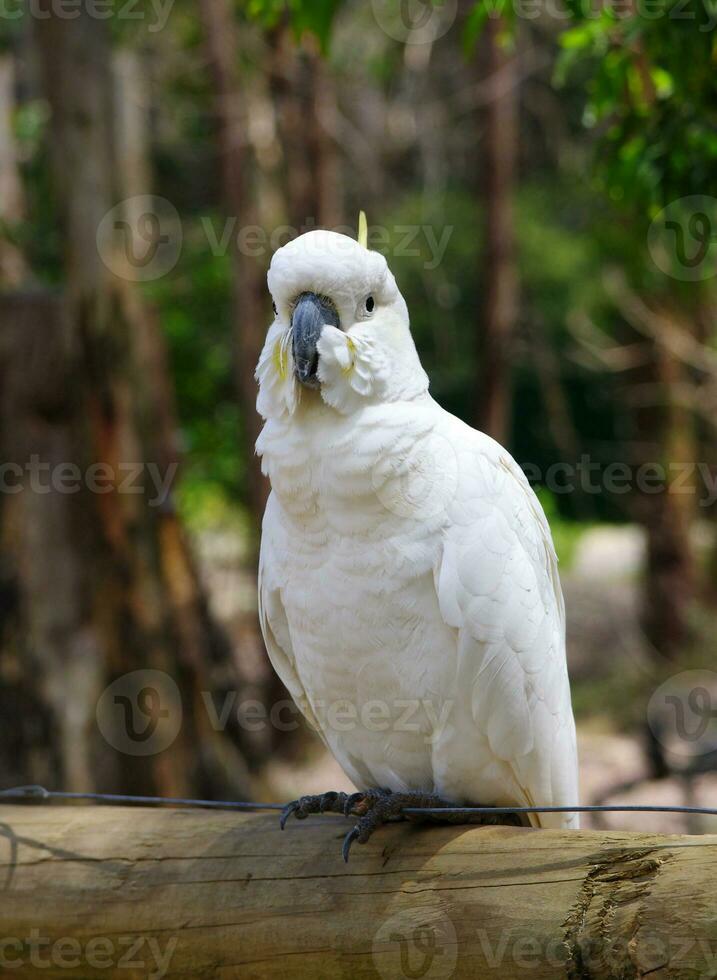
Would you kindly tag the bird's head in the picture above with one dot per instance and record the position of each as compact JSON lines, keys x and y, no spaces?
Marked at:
{"x":340,"y":334}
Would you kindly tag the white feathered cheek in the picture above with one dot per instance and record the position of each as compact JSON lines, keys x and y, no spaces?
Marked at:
{"x":275,"y":374}
{"x":352,"y":368}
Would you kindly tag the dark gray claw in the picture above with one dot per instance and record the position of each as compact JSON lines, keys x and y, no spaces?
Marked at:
{"x":348,"y":841}
{"x":287,"y":811}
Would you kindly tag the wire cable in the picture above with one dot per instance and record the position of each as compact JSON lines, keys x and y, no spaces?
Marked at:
{"x":39,"y":794}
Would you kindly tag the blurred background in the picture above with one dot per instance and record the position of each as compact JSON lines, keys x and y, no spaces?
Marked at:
{"x":542,"y":177}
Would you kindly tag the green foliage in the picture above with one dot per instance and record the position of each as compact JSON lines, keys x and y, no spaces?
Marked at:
{"x":194,"y":304}
{"x":316,"y":17}
{"x":441,"y":294}
{"x":566,"y":532}
{"x":649,"y":82}
{"x":12,"y":24}
{"x":651,"y":86}
{"x":478,"y":16}
{"x":38,"y":235}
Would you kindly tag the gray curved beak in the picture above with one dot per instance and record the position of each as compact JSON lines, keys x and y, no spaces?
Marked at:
{"x":311,"y":314}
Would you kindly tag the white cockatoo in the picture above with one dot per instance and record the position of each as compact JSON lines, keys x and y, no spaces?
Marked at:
{"x":408,"y":585}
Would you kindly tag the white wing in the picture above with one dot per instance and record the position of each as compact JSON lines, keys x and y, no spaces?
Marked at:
{"x":272,"y":616}
{"x":498,"y":586}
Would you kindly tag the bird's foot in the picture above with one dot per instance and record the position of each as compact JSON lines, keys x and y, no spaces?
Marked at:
{"x":323,"y":803}
{"x":374,"y":807}
{"x":378,"y":806}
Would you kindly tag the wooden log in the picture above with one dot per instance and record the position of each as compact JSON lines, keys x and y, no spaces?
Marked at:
{"x":152,"y":893}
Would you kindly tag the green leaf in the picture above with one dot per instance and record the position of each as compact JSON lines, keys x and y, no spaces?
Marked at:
{"x":477,"y":18}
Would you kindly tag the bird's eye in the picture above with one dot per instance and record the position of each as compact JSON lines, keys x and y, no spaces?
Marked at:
{"x":369,"y":304}
{"x":273,"y":306}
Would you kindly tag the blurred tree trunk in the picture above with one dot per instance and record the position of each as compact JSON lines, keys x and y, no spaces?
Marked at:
{"x":499,"y":273}
{"x":670,"y":580}
{"x":98,"y":580}
{"x":327,"y":176}
{"x":305,"y":97}
{"x":669,"y":588}
{"x":668,"y":425}
{"x":249,"y":302}
{"x":241,"y":195}
{"x":710,"y":587}
{"x":706,"y":332}
{"x":291,"y":88}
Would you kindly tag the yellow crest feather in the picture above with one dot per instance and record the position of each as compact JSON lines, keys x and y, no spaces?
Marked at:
{"x":362,"y":236}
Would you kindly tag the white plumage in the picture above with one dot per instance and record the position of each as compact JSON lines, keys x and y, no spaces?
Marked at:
{"x":409,"y":592}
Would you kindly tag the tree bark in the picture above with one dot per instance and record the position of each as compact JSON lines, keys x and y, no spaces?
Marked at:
{"x":668,"y":516}
{"x":208,"y":894}
{"x":328,"y":174}
{"x":249,"y":301}
{"x":499,"y":273}
{"x":305,"y":97}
